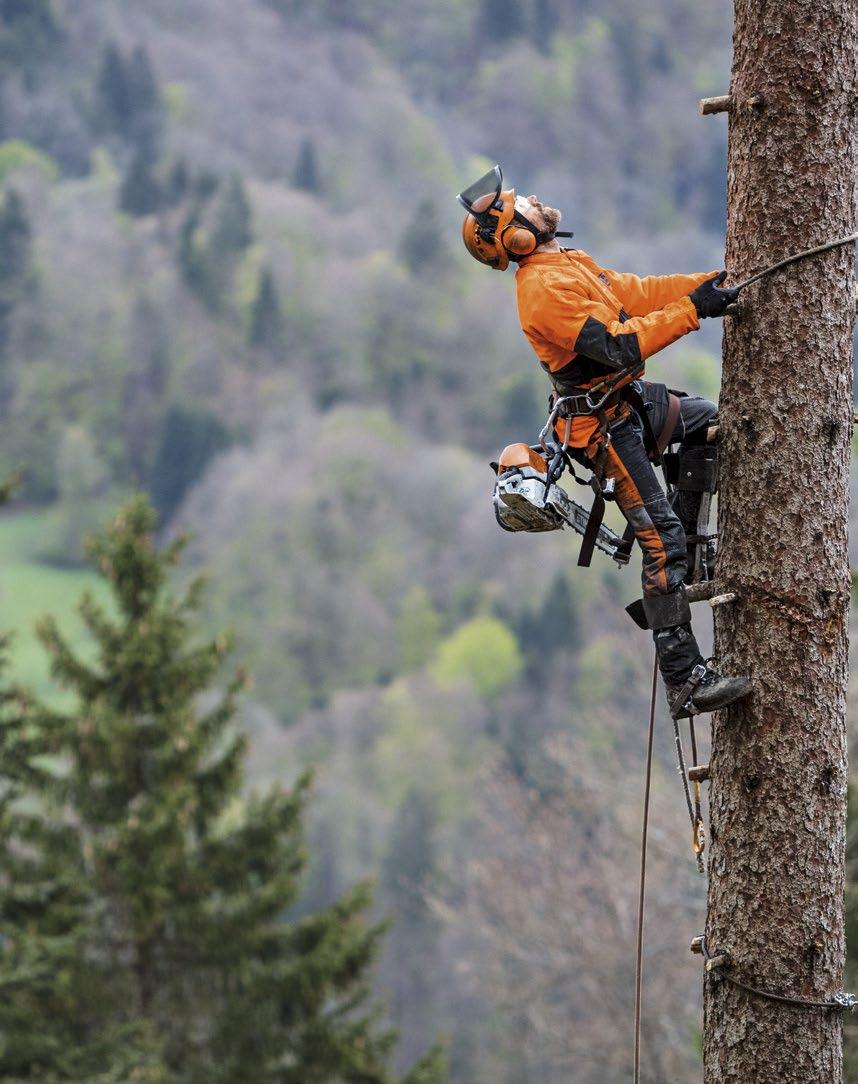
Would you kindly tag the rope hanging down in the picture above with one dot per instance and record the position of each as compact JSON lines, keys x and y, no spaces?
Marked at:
{"x":642,"y":892}
{"x":836,"y":1001}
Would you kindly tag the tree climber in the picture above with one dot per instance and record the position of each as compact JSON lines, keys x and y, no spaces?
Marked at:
{"x":585,"y":324}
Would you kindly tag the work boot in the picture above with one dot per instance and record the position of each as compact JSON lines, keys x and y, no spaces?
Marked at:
{"x":705,"y":690}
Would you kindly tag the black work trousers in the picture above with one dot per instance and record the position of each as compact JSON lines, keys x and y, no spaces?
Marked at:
{"x":659,"y":530}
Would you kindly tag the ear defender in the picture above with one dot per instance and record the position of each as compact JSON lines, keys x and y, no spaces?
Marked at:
{"x":517,"y":240}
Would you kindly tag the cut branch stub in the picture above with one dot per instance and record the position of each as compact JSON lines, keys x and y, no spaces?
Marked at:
{"x":725,"y":103}
{"x":721,"y":104}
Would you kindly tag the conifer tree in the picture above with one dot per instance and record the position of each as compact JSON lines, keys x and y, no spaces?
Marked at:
{"x":189,"y":441}
{"x":113,"y":89}
{"x":15,"y":247}
{"x":409,"y":874}
{"x":266,"y":317}
{"x":128,"y":104}
{"x":28,"y":29}
{"x":307,"y":171}
{"x":140,"y":193}
{"x":154,"y":893}
{"x":147,"y":117}
{"x":233,"y":227}
{"x":194,"y":260}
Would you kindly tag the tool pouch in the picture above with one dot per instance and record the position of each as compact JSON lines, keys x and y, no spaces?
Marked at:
{"x":693,"y":469}
{"x":661,"y":611}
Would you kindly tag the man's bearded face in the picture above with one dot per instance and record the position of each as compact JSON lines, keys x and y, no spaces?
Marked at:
{"x":544,"y":218}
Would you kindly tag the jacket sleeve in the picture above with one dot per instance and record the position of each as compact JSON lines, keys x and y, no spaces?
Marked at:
{"x":642,"y":296}
{"x":585,"y":325}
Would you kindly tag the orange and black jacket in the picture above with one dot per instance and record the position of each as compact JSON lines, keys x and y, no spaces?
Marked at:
{"x":584,"y":321}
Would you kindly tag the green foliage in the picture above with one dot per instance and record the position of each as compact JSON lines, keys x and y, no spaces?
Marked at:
{"x":410,"y":864}
{"x":189,"y":440}
{"x":128,"y":104}
{"x":418,"y":629}
{"x":15,"y":247}
{"x":483,"y":651}
{"x":233,"y":227}
{"x":29,"y":589}
{"x":266,"y":317}
{"x":28,"y":30}
{"x":307,"y":170}
{"x":16,"y":154}
{"x":85,"y":492}
{"x":140,"y":194}
{"x":194,"y":264}
{"x":551,"y":628}
{"x":142,"y":897}
{"x":423,"y":247}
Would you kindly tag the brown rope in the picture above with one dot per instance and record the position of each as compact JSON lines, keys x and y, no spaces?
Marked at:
{"x":639,"y":960}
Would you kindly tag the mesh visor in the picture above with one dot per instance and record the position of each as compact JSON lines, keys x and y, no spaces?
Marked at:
{"x":478,"y":197}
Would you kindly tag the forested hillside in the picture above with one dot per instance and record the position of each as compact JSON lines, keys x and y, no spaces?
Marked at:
{"x":231,"y":274}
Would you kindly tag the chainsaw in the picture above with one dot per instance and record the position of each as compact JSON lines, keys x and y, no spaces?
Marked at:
{"x":525,"y":500}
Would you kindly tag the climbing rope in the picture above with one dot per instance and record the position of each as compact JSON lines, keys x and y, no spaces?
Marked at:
{"x":642,"y":891}
{"x":697,"y":835}
{"x":836,"y":1001}
{"x":793,"y":259}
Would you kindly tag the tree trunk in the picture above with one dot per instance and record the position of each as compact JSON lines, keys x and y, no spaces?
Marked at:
{"x":779,"y":770}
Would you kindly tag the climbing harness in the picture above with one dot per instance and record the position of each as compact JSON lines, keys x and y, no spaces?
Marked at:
{"x":720,"y":964}
{"x":527,"y":496}
{"x":794,"y":259}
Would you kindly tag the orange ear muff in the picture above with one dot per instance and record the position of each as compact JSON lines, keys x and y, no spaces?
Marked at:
{"x":517,"y":240}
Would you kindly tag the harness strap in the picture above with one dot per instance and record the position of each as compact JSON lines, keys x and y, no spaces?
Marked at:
{"x":673,"y":407}
{"x":597,"y":512}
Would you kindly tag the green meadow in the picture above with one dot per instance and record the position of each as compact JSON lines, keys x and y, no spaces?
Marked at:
{"x":30,"y":589}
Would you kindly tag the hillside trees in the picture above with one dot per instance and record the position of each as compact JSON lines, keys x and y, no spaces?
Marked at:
{"x":143,"y":898}
{"x":778,"y":798}
{"x":15,"y":279}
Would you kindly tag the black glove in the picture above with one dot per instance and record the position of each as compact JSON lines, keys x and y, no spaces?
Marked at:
{"x":709,"y":300}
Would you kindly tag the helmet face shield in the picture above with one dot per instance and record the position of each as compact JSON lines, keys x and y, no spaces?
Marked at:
{"x":478,"y":198}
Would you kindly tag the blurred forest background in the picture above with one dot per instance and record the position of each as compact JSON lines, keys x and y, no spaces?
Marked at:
{"x":231,"y":275}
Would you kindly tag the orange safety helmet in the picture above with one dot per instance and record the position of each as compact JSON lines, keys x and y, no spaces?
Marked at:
{"x":493,"y":231}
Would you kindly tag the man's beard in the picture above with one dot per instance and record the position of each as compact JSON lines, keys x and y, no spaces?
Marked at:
{"x":551,"y":216}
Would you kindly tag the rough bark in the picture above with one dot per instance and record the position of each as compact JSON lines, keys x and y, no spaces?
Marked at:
{"x":778,"y":769}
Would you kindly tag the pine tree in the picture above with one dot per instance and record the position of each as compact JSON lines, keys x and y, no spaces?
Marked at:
{"x":307,"y":171}
{"x":157,"y":892}
{"x":778,"y":767}
{"x":15,"y":247}
{"x":266,"y":318}
{"x":147,"y":116}
{"x":113,"y":90}
{"x":409,"y":873}
{"x":128,"y":104}
{"x":193,"y":257}
{"x":189,"y":441}
{"x":233,"y":226}
{"x":544,"y":23}
{"x":140,"y":193}
{"x":28,"y":29}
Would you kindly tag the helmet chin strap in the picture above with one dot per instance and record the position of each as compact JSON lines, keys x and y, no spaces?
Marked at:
{"x":542,"y":236}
